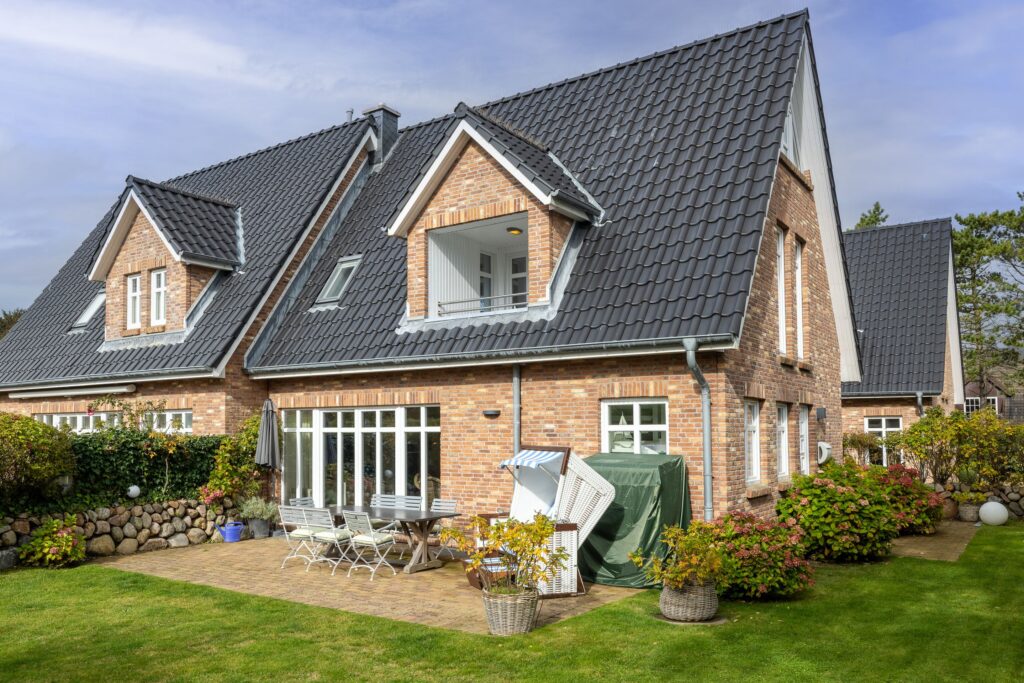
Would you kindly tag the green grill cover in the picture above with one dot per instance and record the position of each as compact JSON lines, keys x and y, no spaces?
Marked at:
{"x":650,"y":492}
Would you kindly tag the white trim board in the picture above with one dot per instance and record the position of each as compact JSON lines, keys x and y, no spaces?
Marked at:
{"x":104,"y":260}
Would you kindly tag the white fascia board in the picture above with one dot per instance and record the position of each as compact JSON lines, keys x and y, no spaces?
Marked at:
{"x":122,"y":225}
{"x":80,"y":391}
{"x":953,"y":334}
{"x":458,"y":139}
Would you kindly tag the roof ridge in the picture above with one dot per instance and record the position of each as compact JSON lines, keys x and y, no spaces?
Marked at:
{"x":263,"y":150}
{"x":908,"y":224}
{"x":507,"y":127}
{"x":654,"y":55}
{"x":186,"y":193}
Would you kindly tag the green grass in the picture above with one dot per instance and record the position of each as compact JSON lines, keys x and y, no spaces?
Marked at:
{"x":900,"y":620}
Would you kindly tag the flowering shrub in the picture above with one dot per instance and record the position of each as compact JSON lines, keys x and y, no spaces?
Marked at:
{"x":763,"y":558}
{"x":916,"y":507}
{"x":235,"y":472}
{"x":694,"y":557}
{"x":54,"y":544}
{"x":845,"y":515}
{"x":32,"y":455}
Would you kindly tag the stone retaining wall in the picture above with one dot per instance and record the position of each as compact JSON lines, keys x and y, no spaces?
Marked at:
{"x":1010,"y":496}
{"x":128,"y":529}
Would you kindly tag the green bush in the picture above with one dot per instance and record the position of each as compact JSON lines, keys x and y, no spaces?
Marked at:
{"x":845,"y":515}
{"x":915,"y":505}
{"x":765,"y":558}
{"x":54,"y":544}
{"x":32,"y":456}
{"x":235,"y":472}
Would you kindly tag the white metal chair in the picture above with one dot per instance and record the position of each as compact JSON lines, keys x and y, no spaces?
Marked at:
{"x":387,"y":500}
{"x":327,"y":536}
{"x":445,"y":506}
{"x":367,"y":542}
{"x":296,"y":533}
{"x":304,"y":502}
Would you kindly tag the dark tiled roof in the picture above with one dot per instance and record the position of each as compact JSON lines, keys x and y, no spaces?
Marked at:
{"x":197,"y":227}
{"x":279,"y":189}
{"x":680,"y":148}
{"x":899,"y":279}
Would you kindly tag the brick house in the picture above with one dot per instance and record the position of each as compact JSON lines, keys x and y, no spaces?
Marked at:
{"x":646,"y":258}
{"x":904,"y":299}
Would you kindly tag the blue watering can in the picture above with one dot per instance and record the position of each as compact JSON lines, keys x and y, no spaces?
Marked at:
{"x":232,"y":531}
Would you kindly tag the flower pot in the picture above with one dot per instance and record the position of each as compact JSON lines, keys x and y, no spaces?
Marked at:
{"x":969,"y":512}
{"x":259,"y":528}
{"x":690,"y":603}
{"x":510,"y":613}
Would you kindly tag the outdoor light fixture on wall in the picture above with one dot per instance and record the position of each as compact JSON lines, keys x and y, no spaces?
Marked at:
{"x":514,"y":231}
{"x":820,"y":414}
{"x":492,"y":413}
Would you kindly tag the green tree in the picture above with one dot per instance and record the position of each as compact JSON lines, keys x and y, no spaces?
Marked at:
{"x":872,"y":217}
{"x":7,"y":320}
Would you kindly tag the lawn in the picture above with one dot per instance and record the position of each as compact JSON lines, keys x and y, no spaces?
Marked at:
{"x":904,"y":619}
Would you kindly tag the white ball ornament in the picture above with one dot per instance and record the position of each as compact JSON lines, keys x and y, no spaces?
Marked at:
{"x":134,"y":491}
{"x":993,"y":513}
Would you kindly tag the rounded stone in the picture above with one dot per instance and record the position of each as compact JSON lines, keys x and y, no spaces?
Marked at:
{"x":127,"y":546}
{"x":147,"y":519}
{"x":153,"y":544}
{"x":103,"y":513}
{"x":129,"y":530}
{"x":143,"y":536}
{"x":196,"y":536}
{"x":8,"y":537}
{"x":154,"y":528}
{"x":148,"y":507}
{"x":102,"y":527}
{"x":100,"y":545}
{"x":158,"y":518}
{"x":177,"y":524}
{"x":157,"y":507}
{"x":166,"y":530}
{"x":1013,"y":495}
{"x":117,"y":534}
{"x":187,"y":521}
{"x":89,"y":529}
{"x":178,"y":541}
{"x":136,"y":511}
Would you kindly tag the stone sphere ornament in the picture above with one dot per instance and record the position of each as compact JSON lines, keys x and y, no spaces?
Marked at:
{"x":134,"y":491}
{"x":993,"y":513}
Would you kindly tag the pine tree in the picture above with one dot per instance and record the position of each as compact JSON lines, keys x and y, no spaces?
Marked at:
{"x":872,"y":217}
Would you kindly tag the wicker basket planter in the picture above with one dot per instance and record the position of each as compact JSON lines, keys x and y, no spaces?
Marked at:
{"x":510,"y":613}
{"x":691,"y":603}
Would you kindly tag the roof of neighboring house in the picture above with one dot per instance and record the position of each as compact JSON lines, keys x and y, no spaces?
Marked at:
{"x":680,"y":149}
{"x":197,"y":227}
{"x":899,"y":279}
{"x":278,"y":190}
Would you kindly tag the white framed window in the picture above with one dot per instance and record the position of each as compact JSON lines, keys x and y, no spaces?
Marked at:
{"x":337,"y":283}
{"x":972,"y":404}
{"x":133,"y":302}
{"x":782,"y":440}
{"x":798,"y":296}
{"x":638,"y":426}
{"x":881,"y":427}
{"x":79,"y":423}
{"x":169,"y":421}
{"x":486,"y":281}
{"x":158,"y":297}
{"x":90,"y":310}
{"x":518,"y":281}
{"x":805,"y":439}
{"x":780,"y":281}
{"x":752,"y":440}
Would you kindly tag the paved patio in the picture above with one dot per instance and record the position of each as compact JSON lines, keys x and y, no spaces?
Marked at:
{"x":439,"y":597}
{"x":947,"y":543}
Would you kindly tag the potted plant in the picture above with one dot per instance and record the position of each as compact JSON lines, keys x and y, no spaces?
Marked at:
{"x":510,"y":558}
{"x":688,"y":572}
{"x":970,"y":503}
{"x":258,"y":514}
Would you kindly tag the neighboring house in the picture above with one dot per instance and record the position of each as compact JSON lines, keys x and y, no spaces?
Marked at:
{"x":643,"y":259}
{"x":991,"y":394}
{"x":904,"y":300}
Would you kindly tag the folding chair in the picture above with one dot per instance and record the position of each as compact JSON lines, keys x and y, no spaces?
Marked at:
{"x":446,"y":506}
{"x":365,"y":541}
{"x":327,"y":536}
{"x":305,"y":502}
{"x":296,"y":533}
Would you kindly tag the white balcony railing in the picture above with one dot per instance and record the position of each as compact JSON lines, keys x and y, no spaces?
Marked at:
{"x":482,"y":304}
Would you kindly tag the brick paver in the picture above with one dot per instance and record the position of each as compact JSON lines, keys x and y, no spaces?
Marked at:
{"x":440,"y":597}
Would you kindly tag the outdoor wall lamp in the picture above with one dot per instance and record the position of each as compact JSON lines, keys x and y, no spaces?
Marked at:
{"x":492,"y":413}
{"x":514,"y":231}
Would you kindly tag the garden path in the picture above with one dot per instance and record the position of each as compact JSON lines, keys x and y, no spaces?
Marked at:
{"x":947,"y":543}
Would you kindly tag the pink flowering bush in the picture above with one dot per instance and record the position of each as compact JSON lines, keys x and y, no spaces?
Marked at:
{"x":765,"y":558}
{"x":916,"y":507}
{"x":54,"y":544}
{"x":846,"y":516}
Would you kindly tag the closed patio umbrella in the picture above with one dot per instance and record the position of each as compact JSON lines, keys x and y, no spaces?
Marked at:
{"x":268,"y":451}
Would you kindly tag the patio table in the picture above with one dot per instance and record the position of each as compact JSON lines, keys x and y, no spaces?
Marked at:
{"x":417,"y":523}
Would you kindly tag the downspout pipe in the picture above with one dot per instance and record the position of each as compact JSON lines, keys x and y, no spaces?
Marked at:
{"x":517,"y":416}
{"x":691,"y":346}
{"x":920,"y":403}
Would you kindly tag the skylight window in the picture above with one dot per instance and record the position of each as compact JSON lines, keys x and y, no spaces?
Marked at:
{"x":90,"y":311}
{"x":338,"y":282}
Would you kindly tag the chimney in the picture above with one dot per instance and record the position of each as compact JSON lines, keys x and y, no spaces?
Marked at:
{"x":385,"y":123}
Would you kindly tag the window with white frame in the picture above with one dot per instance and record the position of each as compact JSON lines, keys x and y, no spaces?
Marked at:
{"x":94,"y":305}
{"x":169,"y":421}
{"x":80,"y":423}
{"x":881,"y":427}
{"x":337,"y":283}
{"x":780,"y":282}
{"x":638,"y":426}
{"x":973,"y":403}
{"x":805,"y":439}
{"x":752,"y":440}
{"x":486,"y":281}
{"x":133,"y":302}
{"x":344,"y":456}
{"x":798,"y":296}
{"x":158,"y":297}
{"x":782,"y":440}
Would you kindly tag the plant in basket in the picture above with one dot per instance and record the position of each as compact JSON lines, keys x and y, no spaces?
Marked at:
{"x":511,"y":558}
{"x":688,"y":573}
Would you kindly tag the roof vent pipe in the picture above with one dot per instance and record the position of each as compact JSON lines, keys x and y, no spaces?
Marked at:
{"x":385,"y":123}
{"x":691,"y":346}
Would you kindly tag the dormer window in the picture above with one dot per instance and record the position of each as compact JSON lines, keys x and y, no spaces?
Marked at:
{"x":158,"y":297}
{"x":89,"y":312}
{"x":338,"y":282}
{"x":133,"y":299}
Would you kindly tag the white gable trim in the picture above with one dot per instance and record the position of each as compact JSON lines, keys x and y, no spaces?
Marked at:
{"x":953,"y":334}
{"x":457,"y":141}
{"x":130,"y":208}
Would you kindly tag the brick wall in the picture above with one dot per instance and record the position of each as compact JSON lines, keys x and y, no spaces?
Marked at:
{"x":476,"y":188}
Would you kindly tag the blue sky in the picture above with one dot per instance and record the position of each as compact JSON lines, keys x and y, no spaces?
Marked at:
{"x":923,"y":100}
